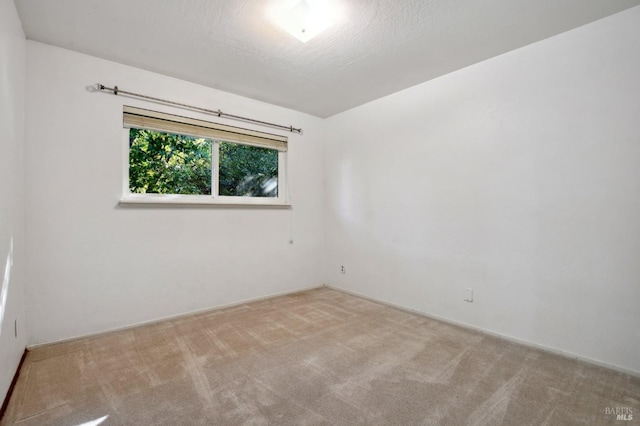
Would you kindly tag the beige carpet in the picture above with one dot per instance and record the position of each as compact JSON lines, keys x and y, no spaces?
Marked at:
{"x":317,"y":357}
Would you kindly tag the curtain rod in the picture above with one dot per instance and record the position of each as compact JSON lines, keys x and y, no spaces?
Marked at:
{"x":219,"y":113}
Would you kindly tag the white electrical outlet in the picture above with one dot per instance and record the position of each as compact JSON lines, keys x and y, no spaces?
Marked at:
{"x":342,"y":269}
{"x":469,"y":297}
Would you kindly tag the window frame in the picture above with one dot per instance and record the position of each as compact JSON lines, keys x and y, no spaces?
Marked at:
{"x":282,"y":200}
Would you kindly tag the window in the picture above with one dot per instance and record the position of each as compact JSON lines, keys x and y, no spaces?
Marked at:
{"x":174,"y":159}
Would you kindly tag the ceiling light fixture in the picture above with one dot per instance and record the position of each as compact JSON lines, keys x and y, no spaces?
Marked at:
{"x":305,"y":19}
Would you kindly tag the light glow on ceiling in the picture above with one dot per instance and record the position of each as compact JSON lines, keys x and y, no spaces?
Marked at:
{"x":304,"y":19}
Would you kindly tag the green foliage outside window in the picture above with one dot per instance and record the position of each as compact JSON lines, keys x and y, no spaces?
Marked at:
{"x":165,"y":163}
{"x":248,"y":171}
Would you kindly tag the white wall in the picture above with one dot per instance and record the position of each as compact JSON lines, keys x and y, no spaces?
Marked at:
{"x":518,"y":177}
{"x":12,"y":69}
{"x":96,"y":266}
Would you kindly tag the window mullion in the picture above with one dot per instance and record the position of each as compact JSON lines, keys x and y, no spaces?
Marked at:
{"x":283,"y":183}
{"x":215,"y":165}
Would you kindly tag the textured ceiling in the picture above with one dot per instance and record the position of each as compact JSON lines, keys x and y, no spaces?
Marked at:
{"x":377,"y":48}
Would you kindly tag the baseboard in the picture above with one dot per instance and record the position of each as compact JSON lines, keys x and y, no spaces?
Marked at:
{"x":171,"y":317}
{"x":5,"y":403}
{"x":492,"y":333}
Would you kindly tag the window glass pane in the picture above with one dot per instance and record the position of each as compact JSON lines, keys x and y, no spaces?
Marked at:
{"x":248,"y":171}
{"x":166,"y":163}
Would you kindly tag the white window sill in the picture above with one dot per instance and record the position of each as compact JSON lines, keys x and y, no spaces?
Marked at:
{"x":163,"y":199}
